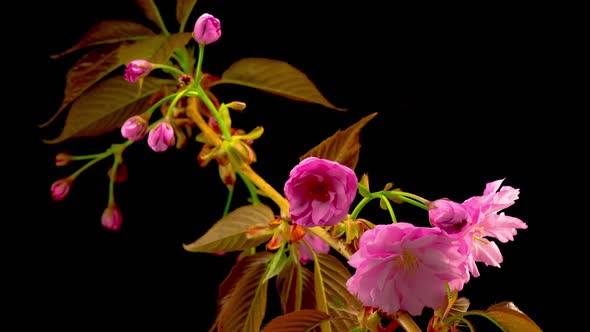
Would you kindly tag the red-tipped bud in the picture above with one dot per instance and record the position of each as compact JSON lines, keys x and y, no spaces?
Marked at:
{"x":112,"y":217}
{"x":61,"y":188}
{"x":137,"y":69}
{"x":62,"y":159}
{"x":207,"y":29}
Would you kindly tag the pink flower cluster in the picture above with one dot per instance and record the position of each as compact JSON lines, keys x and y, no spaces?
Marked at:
{"x":404,"y":267}
{"x":160,"y":137}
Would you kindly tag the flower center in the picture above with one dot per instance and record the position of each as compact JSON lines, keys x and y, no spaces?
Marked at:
{"x":406,"y":262}
{"x":320,"y":192}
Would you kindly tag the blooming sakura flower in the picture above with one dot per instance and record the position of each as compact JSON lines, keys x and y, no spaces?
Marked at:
{"x":61,"y":188}
{"x":134,"y":128}
{"x":318,"y":245}
{"x":480,"y":219}
{"x":112,"y":217}
{"x":320,"y":192}
{"x":403,"y":267}
{"x":207,"y":29}
{"x":136,"y":70}
{"x":161,"y":136}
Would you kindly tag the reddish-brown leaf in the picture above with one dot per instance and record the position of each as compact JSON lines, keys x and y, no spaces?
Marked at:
{"x":105,"y":106}
{"x":297,"y":321}
{"x":507,"y":315}
{"x":343,"y":146}
{"x":109,"y":32}
{"x":276,"y":77}
{"x":295,"y":281}
{"x":243,"y":295}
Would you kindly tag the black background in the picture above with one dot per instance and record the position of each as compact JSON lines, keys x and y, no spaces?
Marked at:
{"x":465,"y":96}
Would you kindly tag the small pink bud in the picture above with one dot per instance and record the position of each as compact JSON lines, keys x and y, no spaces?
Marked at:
{"x":62,"y":159}
{"x":61,"y":188}
{"x":134,"y":128}
{"x":237,"y":105}
{"x":207,"y":29}
{"x":137,"y":69}
{"x":161,"y":136}
{"x":112,"y":217}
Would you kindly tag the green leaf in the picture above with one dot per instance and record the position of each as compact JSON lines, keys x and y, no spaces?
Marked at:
{"x":276,"y":77}
{"x":297,"y":321}
{"x":183,"y":11}
{"x":295,"y":285}
{"x":342,"y":146}
{"x":109,"y":32}
{"x":230,"y":232}
{"x":509,"y":317}
{"x":152,"y":13}
{"x":342,"y":305}
{"x":106,"y":106}
{"x":243,"y":301}
{"x":277,"y":263}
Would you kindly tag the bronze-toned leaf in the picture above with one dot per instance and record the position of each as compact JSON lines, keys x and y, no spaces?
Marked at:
{"x":295,"y":285}
{"x":101,"y":61}
{"x":276,"y":77}
{"x":342,"y":305}
{"x":297,"y":321}
{"x":105,"y":107}
{"x":243,"y":305}
{"x":343,"y":147}
{"x":108,"y":32}
{"x":507,"y":315}
{"x":230,"y":232}
{"x":183,"y":11}
{"x":321,"y":300}
{"x":152,"y":13}
{"x":172,"y":42}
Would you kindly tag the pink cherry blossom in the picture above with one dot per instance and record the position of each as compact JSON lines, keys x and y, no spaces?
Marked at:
{"x":161,"y":136}
{"x":112,"y":217}
{"x":482,"y":221}
{"x":320,"y":192}
{"x":136,"y":70}
{"x":134,"y":128}
{"x":207,"y":29}
{"x":403,"y":267}
{"x":318,"y":245}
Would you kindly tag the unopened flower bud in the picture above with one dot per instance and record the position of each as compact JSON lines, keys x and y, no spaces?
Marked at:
{"x":120,"y":175}
{"x":61,"y":188}
{"x":112,"y":217}
{"x":134,"y":128}
{"x":161,"y":136}
{"x":237,"y":105}
{"x":207,"y":29}
{"x":62,"y":159}
{"x":137,"y":69}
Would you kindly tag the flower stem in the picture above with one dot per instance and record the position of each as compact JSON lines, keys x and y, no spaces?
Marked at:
{"x":406,"y":322}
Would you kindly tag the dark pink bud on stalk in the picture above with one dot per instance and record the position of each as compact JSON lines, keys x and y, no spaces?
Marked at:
{"x":137,"y":69}
{"x":237,"y":105}
{"x":62,"y":159}
{"x":61,"y":188}
{"x":134,"y":128}
{"x":120,"y":175}
{"x":161,"y":136}
{"x":207,"y":29}
{"x":112,"y":217}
